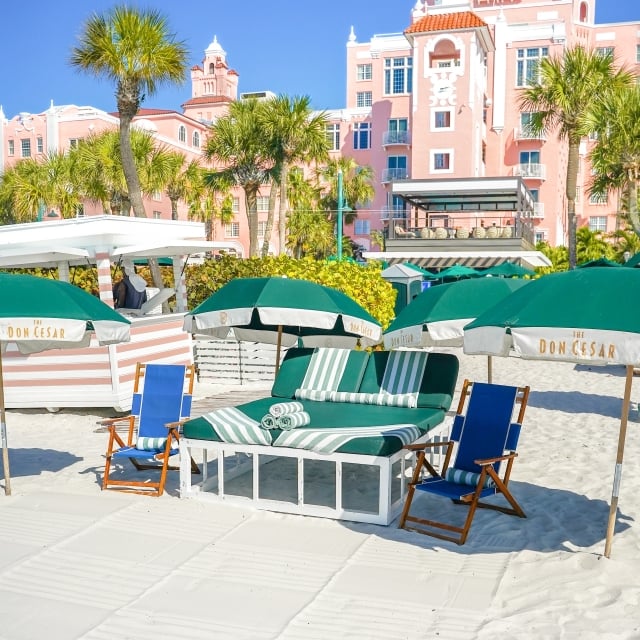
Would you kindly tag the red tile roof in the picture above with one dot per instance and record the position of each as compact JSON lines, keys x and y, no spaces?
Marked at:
{"x":447,"y":22}
{"x":207,"y":100}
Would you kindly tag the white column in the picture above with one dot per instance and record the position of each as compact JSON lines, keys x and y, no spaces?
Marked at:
{"x":499,"y":81}
{"x":105,"y":284}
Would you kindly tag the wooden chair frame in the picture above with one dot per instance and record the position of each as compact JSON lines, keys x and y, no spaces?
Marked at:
{"x":450,"y":532}
{"x":116,"y":442}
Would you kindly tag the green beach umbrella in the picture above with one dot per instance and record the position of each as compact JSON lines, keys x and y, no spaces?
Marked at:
{"x":37,"y":314}
{"x":600,"y":262}
{"x":508,"y":270}
{"x":438,"y":315}
{"x":281,"y":311}
{"x":458,"y":271}
{"x":588,"y":316}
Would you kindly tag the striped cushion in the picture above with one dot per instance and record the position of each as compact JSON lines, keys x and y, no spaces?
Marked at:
{"x":151,"y":444}
{"x":232,"y":425}
{"x":459,"y":476}
{"x":325,"y":369}
{"x":406,"y":400}
{"x":330,"y":439}
{"x":403,"y":373}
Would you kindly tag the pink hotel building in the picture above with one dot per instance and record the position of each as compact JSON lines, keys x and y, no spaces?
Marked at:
{"x":435,"y":106}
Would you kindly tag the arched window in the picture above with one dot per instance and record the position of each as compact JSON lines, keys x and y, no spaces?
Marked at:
{"x":196,"y":139}
{"x":584,"y":12}
{"x":182,"y":133}
{"x":212,"y":69}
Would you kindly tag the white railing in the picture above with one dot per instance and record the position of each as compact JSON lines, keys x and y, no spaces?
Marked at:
{"x":394,"y":174}
{"x":392,"y":211}
{"x":395,"y":137}
{"x":538,"y":209}
{"x":531,"y":170}
{"x":525,"y":133}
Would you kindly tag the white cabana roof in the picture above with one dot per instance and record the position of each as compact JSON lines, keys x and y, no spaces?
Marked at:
{"x":77,"y":240}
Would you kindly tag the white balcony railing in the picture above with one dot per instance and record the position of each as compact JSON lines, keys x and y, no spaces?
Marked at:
{"x":525,"y":133}
{"x":394,"y":212}
{"x":538,"y":210}
{"x":394,"y":174}
{"x":395,"y":137}
{"x":531,"y":170}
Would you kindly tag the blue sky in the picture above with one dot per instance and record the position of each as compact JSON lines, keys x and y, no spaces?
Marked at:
{"x":295,"y":47}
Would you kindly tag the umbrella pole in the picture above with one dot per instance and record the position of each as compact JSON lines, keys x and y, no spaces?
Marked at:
{"x":613,"y":510}
{"x":489,"y":369}
{"x":3,"y":429}
{"x":278,"y":345}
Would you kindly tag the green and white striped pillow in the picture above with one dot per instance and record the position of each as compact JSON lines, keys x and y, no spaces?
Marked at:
{"x":151,"y":444}
{"x":403,"y":372}
{"x":459,"y":476}
{"x":325,"y":369}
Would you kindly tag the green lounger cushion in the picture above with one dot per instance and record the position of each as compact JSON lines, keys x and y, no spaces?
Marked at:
{"x":323,"y":414}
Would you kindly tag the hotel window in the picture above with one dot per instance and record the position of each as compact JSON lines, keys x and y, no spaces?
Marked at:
{"x":605,"y":51}
{"x":182,"y":133}
{"x":598,"y":198}
{"x":363,"y":72}
{"x":262,"y":204}
{"x":39,"y":145}
{"x":442,"y":119}
{"x":332,"y":132}
{"x":638,"y":53}
{"x":398,"y":75}
{"x":157,"y":215}
{"x":73,"y":143}
{"x":157,"y":196}
{"x":25,"y":147}
{"x":235,"y":205}
{"x":232,"y":230}
{"x":11,"y":148}
{"x":597,"y":223}
{"x":262,"y":228}
{"x":79,"y":211}
{"x":361,"y":227}
{"x":196,"y":139}
{"x":541,"y":236}
{"x":441,"y":160}
{"x":364,"y":99}
{"x":527,"y":64}
{"x":361,"y":135}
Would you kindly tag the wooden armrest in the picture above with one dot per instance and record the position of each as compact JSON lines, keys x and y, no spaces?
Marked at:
{"x":497,"y":459}
{"x":426,"y":445}
{"x":109,"y":421}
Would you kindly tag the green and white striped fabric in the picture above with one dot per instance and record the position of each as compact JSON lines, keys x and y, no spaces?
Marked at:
{"x":290,"y":421}
{"x":381,"y":399}
{"x":152,"y":444}
{"x":233,"y":426}
{"x":269,"y":422}
{"x":402,"y":378}
{"x":280,"y":408}
{"x":329,"y":440}
{"x":313,"y":394}
{"x":459,"y":476}
{"x":325,"y":369}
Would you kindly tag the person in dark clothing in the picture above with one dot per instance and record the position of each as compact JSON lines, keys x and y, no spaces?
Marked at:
{"x":130,"y":292}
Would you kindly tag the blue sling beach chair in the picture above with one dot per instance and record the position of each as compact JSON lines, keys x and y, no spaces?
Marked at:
{"x":161,"y":399}
{"x":486,"y":436}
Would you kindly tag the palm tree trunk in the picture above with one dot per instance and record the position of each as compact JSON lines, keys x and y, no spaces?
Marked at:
{"x":273,"y":196}
{"x":282,"y":214}
{"x":572,"y":182}
{"x":251,"y":193}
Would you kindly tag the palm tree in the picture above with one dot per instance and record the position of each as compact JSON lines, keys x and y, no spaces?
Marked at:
{"x":592,"y":245}
{"x":239,"y":142}
{"x":210,"y":202}
{"x":135,"y":49}
{"x":568,"y":90}
{"x":295,"y":134}
{"x":626,"y":244}
{"x":615,"y":159}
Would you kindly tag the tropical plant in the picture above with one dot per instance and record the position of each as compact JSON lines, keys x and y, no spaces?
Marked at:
{"x":213,"y":201}
{"x":615,"y":159}
{"x":295,"y":134}
{"x":237,"y":140}
{"x":563,"y":98}
{"x":559,"y":257}
{"x":592,"y":245}
{"x":136,"y":50}
{"x":626,"y":243}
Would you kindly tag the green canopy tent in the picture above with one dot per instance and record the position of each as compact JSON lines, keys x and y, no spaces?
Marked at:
{"x":587,"y":316}
{"x":456,"y":272}
{"x":284,"y":311}
{"x":600,"y":262}
{"x":37,"y":314}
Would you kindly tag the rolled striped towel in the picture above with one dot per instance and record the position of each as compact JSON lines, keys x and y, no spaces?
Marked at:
{"x":292,"y":420}
{"x":281,"y":408}
{"x":269,"y":422}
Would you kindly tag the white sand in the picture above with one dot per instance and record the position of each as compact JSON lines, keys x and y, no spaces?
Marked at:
{"x":76,"y":562}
